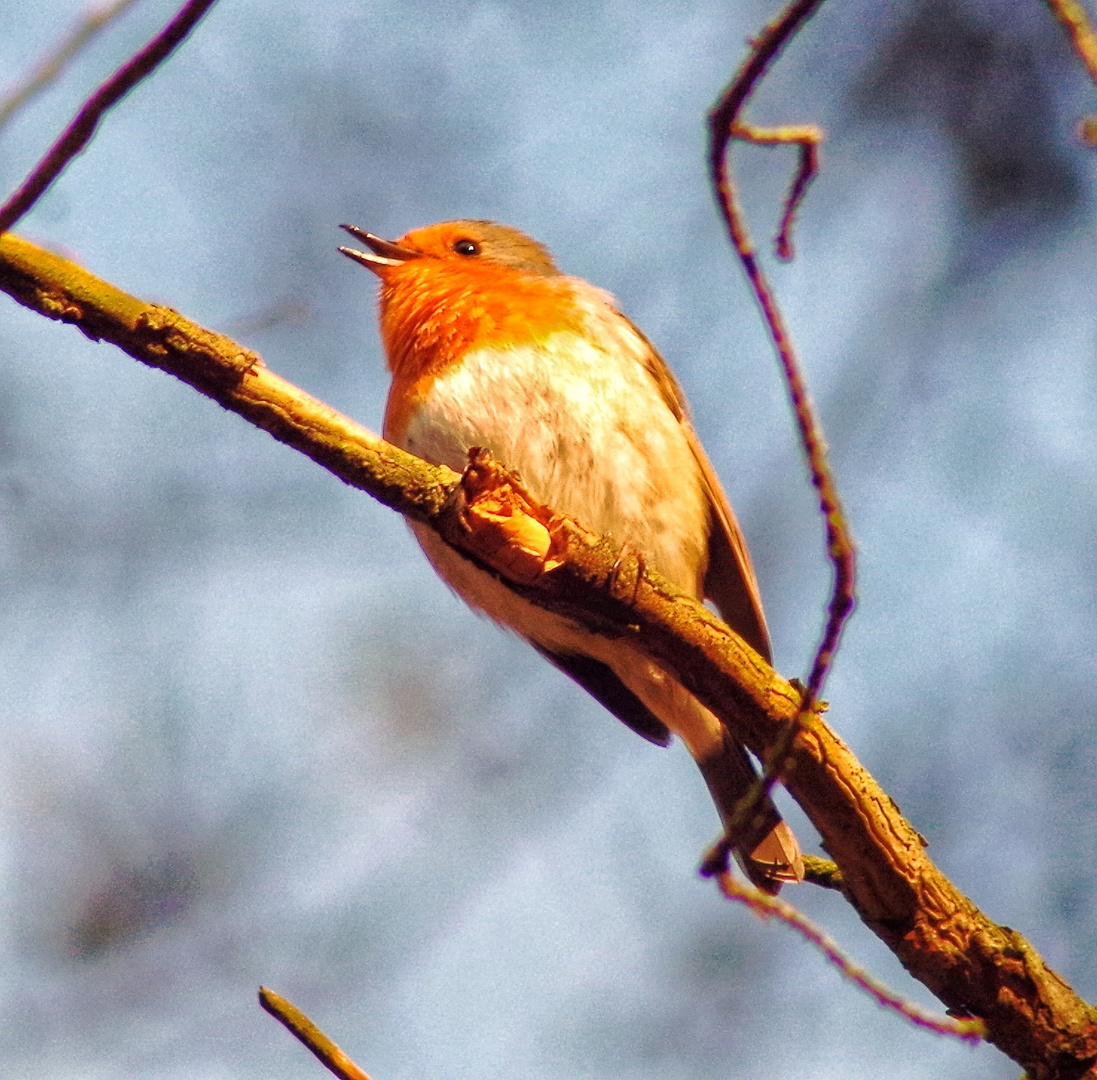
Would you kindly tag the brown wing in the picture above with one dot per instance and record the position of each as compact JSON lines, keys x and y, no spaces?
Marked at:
{"x":729,"y":580}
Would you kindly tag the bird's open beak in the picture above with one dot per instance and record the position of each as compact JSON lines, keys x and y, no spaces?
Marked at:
{"x":382,"y":253}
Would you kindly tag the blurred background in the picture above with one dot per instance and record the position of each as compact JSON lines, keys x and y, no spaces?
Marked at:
{"x":248,"y":737}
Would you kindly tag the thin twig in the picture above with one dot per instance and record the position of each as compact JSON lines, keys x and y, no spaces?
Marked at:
{"x":771,"y":907}
{"x":1074,"y":20}
{"x":723,"y":123}
{"x":807,"y":138}
{"x":291,"y":1017}
{"x":79,"y":133}
{"x":50,"y":67}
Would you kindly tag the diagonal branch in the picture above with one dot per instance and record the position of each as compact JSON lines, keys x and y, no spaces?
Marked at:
{"x":219,"y":368}
{"x":79,"y":133}
{"x":90,"y":24}
{"x":773,"y":907}
{"x":309,"y":1035}
{"x":977,"y":968}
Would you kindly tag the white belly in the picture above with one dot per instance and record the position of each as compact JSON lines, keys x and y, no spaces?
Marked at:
{"x":599,"y":444}
{"x":590,"y":435}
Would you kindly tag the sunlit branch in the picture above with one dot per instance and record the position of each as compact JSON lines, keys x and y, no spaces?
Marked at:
{"x":807,"y":137}
{"x":296,"y":1022}
{"x":1074,"y":19}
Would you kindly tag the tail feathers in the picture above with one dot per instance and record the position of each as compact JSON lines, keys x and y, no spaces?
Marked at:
{"x":765,"y":847}
{"x":656,"y":705}
{"x":775,"y":861}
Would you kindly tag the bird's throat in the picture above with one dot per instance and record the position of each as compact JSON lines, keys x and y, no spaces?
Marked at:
{"x":431,"y":317}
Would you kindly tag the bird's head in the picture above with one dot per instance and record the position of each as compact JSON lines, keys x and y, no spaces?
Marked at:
{"x":449,"y":287}
{"x":457,"y":244}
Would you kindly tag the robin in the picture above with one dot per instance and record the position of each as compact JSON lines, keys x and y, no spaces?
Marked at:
{"x":489,"y":344}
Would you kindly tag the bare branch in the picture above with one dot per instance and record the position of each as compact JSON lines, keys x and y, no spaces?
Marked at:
{"x":807,"y":138}
{"x":724,"y":122}
{"x":88,"y":27}
{"x":773,"y":907}
{"x":295,"y":1021}
{"x":1076,"y":22}
{"x":822,"y":872}
{"x":974,"y":966}
{"x":79,"y":133}
{"x":219,"y":368}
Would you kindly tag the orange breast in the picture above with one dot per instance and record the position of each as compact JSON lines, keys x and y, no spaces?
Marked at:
{"x":433,"y":312}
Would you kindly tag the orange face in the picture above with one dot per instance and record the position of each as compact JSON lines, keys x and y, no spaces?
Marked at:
{"x":469,"y":284}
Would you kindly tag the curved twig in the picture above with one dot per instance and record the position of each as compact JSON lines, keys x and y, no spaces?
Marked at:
{"x":807,"y":137}
{"x":724,"y":123}
{"x":79,"y":133}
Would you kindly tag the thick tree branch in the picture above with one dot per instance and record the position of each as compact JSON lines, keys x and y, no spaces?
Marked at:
{"x":974,"y":966}
{"x":219,"y":368}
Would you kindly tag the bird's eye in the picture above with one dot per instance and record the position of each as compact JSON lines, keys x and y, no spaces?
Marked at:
{"x":466,"y":247}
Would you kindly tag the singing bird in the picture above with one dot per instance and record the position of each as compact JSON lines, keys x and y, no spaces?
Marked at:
{"x":489,"y":344}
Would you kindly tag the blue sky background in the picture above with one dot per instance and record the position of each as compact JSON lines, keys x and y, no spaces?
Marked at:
{"x":249,"y":738}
